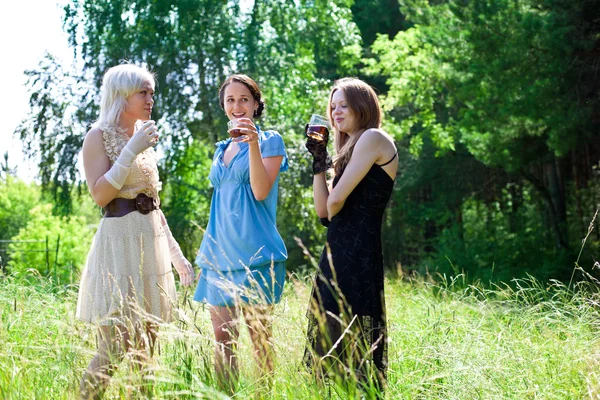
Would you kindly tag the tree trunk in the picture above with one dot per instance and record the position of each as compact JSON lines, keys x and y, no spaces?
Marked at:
{"x":551,"y":188}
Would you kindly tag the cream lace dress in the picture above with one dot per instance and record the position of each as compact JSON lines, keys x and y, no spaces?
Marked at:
{"x":128,"y":275}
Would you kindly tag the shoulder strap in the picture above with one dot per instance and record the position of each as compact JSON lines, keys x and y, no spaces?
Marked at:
{"x":392,"y":159}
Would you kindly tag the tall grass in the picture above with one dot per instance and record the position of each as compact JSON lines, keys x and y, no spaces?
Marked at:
{"x":448,"y":340}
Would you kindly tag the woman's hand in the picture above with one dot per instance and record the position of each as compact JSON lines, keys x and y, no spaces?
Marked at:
{"x":318,"y":149}
{"x":144,"y":138}
{"x":184,"y":269}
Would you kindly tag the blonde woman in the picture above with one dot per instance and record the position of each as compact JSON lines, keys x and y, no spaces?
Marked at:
{"x":347,"y":314}
{"x":127,"y":286}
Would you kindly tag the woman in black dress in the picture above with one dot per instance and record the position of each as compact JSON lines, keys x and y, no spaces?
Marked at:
{"x":347,"y":325}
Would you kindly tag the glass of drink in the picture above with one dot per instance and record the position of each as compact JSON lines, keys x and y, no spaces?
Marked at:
{"x":318,"y":127}
{"x":233,"y":130}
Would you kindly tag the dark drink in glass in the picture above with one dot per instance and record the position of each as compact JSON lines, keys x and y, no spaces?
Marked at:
{"x":318,"y":132}
{"x":233,"y":130}
{"x":318,"y":127}
{"x":235,"y":133}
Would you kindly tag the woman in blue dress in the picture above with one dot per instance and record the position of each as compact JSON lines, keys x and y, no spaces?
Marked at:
{"x":242,"y":256}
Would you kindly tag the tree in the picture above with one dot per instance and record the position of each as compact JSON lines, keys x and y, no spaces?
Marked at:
{"x":389,"y":22}
{"x":501,"y":78}
{"x":61,"y":109}
{"x":16,"y":200}
{"x":192,"y":46}
{"x":5,"y":169}
{"x":69,"y":241}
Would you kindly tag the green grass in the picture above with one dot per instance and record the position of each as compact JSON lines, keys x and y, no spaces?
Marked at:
{"x":448,"y":340}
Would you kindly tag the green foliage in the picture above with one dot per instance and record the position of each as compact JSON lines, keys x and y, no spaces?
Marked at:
{"x":494,"y":106}
{"x":55,"y":128}
{"x":17,"y":198}
{"x":84,"y":207}
{"x":503,"y":83}
{"x":326,"y":48}
{"x":186,"y":200}
{"x":494,"y":247}
{"x":389,"y":22}
{"x":297,"y":219}
{"x":69,"y":240}
{"x":492,"y":75}
{"x":26,"y":215}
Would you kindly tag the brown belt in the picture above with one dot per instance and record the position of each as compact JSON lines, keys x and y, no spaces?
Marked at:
{"x":120,"y":207}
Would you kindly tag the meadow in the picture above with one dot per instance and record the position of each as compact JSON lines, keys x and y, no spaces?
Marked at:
{"x":448,"y":340}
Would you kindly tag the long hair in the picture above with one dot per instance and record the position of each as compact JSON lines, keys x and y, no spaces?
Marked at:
{"x":118,"y":84}
{"x":362,"y":100}
{"x":252,"y":87}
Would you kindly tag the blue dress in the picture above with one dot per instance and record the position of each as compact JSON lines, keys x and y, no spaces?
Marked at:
{"x":242,"y":256}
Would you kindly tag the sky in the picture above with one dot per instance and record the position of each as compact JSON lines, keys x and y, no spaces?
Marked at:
{"x":28,"y":28}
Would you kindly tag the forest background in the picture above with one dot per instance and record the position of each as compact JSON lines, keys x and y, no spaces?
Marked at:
{"x":494,"y":106}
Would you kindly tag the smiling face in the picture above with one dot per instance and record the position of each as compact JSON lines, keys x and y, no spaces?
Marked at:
{"x":139,"y":104}
{"x":342,"y":115}
{"x":238,"y":101}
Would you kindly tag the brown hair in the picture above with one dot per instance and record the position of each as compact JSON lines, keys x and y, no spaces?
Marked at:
{"x":362,"y":100}
{"x":250,"y":84}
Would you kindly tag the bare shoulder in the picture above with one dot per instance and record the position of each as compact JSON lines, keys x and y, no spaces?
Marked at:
{"x":376,"y":138}
{"x":93,"y":138}
{"x":93,"y":144}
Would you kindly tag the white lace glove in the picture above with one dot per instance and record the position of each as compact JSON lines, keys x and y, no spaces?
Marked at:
{"x":144,"y":138}
{"x":182,"y":265}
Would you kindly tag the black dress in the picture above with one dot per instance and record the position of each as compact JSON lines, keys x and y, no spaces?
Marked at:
{"x":347,"y":322}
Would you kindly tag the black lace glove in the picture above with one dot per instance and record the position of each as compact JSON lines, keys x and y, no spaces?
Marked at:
{"x":318,"y":149}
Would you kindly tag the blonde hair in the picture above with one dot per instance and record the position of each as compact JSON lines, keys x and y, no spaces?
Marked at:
{"x":118,"y":84}
{"x":363,"y":101}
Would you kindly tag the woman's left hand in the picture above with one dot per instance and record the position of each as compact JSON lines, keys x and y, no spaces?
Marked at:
{"x":248,"y":130}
